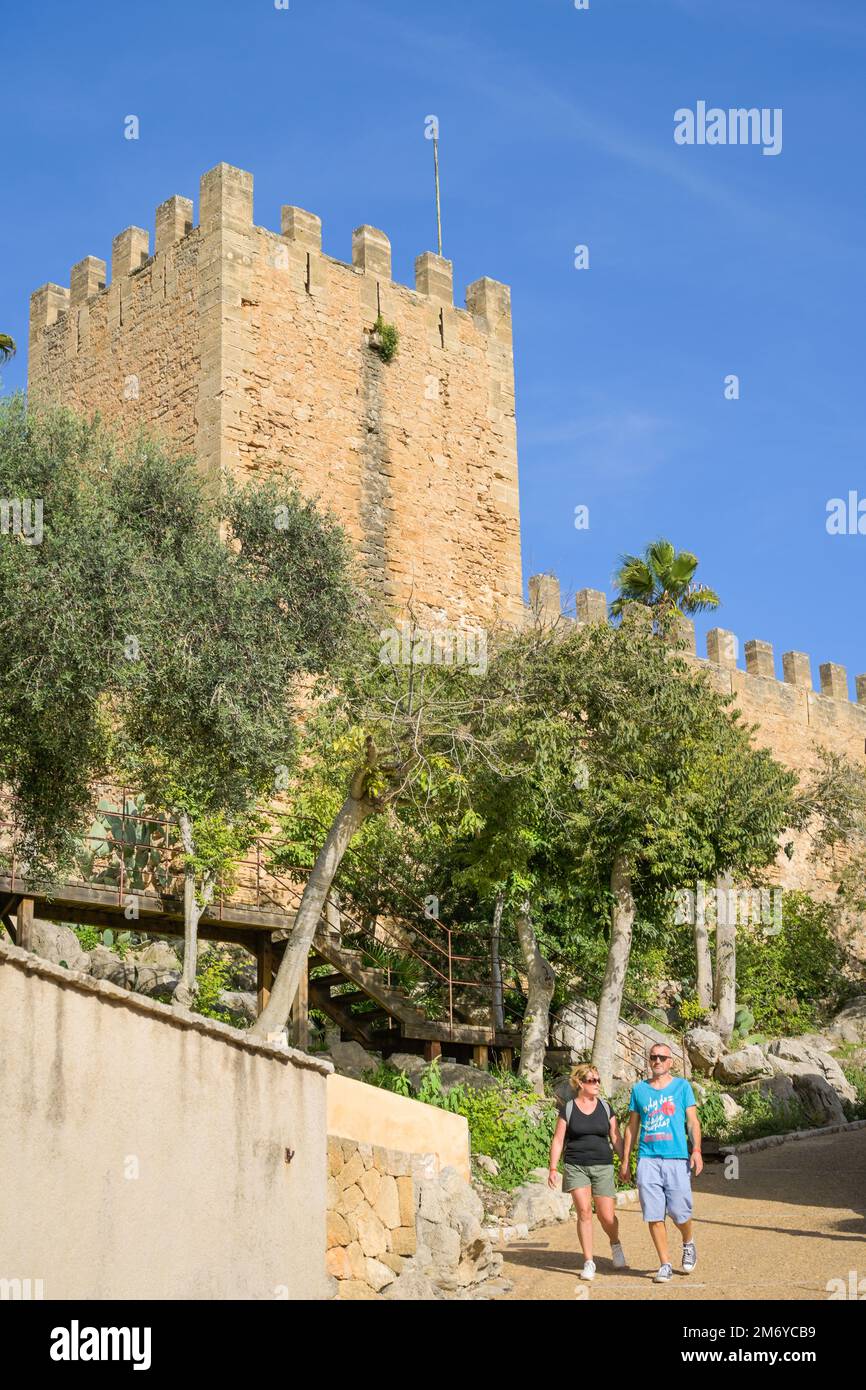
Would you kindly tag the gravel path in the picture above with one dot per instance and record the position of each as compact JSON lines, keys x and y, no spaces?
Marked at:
{"x":792,"y":1220}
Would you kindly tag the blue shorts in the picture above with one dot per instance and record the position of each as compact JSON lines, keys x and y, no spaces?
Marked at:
{"x":664,"y":1186}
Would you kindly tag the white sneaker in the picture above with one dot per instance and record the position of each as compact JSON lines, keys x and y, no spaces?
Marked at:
{"x":618,"y":1255}
{"x":664,"y":1275}
{"x":588,"y":1271}
{"x":690,"y":1256}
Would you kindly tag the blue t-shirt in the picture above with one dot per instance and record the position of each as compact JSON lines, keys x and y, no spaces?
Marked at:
{"x":662,"y":1117}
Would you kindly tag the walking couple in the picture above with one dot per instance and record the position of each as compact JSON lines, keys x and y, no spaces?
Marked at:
{"x":660,"y":1110}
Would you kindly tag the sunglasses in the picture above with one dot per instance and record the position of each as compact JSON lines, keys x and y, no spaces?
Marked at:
{"x":592,"y":1081}
{"x":659,"y":1057}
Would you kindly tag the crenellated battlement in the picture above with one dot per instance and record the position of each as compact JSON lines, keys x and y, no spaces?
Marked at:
{"x":255,"y":350}
{"x":226,"y":202}
{"x":591,"y":606}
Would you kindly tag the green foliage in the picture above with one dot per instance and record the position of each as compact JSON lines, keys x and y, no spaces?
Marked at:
{"x":7,"y":347}
{"x":212,"y":977}
{"x":760,"y":1116}
{"x":663,"y":581}
{"x":692,"y":1012}
{"x":855,"y":1109}
{"x":88,"y":938}
{"x":387,"y":339}
{"x":790,"y":979}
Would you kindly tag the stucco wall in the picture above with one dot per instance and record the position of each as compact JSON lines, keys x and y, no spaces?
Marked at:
{"x":370,"y":1115}
{"x":144,"y":1154}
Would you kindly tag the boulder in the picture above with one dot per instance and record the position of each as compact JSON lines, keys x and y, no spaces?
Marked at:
{"x":487,"y":1165}
{"x":818,"y":1099}
{"x":536,"y":1204}
{"x":105,"y":965}
{"x":456,"y":1074}
{"x":241,"y":1003}
{"x":410,"y":1063}
{"x":850,"y":1024}
{"x":52,"y":941}
{"x":778,"y":1089}
{"x":733,"y":1068}
{"x":160,"y":956}
{"x":352,"y":1060}
{"x":729,"y":1106}
{"x":704,"y":1047}
{"x":787,"y":1053}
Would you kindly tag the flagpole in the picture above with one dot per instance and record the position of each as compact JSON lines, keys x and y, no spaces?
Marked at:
{"x":438,"y":200}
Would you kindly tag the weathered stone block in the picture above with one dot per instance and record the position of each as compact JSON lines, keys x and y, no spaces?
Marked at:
{"x":378,"y":1275}
{"x":369,"y":1184}
{"x":371,"y":1234}
{"x":337,"y":1232}
{"x":351,"y":1197}
{"x":760,"y":660}
{"x":404,"y":1241}
{"x":351,"y":1171}
{"x":387,"y":1203}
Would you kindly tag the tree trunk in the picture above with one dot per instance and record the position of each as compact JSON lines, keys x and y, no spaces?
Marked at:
{"x":725,"y":992}
{"x":496,"y":965}
{"x":184,"y":995}
{"x":348,"y":821}
{"x":610,"y":1003}
{"x":702,"y":955}
{"x":536,"y":1020}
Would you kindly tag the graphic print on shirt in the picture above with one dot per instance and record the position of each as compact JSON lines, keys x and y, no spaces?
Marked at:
{"x":657,"y":1117}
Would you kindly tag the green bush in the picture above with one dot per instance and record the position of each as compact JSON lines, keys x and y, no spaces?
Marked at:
{"x":856,"y":1109}
{"x":759,"y":1118}
{"x":212,"y":977}
{"x":504,"y":1121}
{"x":88,"y":938}
{"x":788,"y":980}
{"x":389,"y":339}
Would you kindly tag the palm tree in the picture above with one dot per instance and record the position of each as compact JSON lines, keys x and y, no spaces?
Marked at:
{"x":7,"y":347}
{"x":663,"y":581}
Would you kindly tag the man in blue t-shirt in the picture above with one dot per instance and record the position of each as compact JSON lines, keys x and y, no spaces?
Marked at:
{"x":661,"y":1108}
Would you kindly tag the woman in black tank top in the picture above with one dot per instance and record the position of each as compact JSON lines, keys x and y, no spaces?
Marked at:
{"x":586,"y":1129}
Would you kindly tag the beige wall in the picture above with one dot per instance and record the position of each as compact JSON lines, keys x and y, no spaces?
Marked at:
{"x":370,"y":1115}
{"x":97,"y":1084}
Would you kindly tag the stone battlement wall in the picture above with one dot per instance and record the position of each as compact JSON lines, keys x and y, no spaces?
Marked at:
{"x":253,"y":349}
{"x":794,"y":720}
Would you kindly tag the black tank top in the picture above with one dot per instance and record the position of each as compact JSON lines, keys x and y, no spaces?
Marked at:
{"x":586,"y":1138}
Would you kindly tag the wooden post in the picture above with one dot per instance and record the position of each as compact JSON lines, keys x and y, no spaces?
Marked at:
{"x":432,"y":1050}
{"x":301,"y":1013}
{"x":506,"y":1058}
{"x":264,"y":968}
{"x":480,"y":1056}
{"x":25,"y":924}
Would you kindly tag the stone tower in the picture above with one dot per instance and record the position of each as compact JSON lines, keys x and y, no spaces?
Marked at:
{"x":252,"y":349}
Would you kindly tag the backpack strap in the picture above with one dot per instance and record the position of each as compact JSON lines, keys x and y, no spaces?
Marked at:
{"x":569,"y":1107}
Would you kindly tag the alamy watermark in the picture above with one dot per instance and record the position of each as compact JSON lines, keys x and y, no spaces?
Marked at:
{"x":731,"y":906}
{"x":736,"y":126}
{"x":846,"y":517}
{"x":22,"y":517}
{"x":408,"y":645}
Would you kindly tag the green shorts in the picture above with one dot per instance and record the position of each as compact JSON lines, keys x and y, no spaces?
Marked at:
{"x":598,"y":1176}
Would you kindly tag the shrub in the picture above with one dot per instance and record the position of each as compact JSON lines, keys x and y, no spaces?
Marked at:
{"x":856,"y":1109}
{"x":388,"y":339}
{"x":786,"y":979}
{"x":212,"y":977}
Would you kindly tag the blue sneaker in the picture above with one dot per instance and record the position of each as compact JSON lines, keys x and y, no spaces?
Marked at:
{"x":690,"y":1256}
{"x":664,"y":1275}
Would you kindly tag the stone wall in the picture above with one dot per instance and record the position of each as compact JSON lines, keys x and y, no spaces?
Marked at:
{"x":252,"y":347}
{"x":152,"y":1154}
{"x":400,"y":1226}
{"x":373,"y":1116}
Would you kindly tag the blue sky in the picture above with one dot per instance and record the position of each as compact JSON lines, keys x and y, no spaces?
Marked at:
{"x":556,"y":130}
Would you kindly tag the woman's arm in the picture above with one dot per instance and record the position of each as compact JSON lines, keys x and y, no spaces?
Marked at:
{"x":616,"y":1137}
{"x":556,"y":1144}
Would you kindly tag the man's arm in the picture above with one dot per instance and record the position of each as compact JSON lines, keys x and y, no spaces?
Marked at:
{"x":631,"y":1133}
{"x":694,"y":1127}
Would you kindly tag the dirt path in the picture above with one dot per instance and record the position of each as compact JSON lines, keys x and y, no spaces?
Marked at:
{"x":793,"y":1219}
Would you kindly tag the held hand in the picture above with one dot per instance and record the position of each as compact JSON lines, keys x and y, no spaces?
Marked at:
{"x":696,"y":1162}
{"x":552,"y":1177}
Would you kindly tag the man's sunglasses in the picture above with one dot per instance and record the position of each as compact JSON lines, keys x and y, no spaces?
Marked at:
{"x":659,"y":1057}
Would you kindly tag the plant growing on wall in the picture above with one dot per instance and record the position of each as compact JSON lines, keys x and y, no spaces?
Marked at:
{"x":385,"y":339}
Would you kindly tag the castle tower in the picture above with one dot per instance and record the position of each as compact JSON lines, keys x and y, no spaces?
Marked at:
{"x":252,"y":349}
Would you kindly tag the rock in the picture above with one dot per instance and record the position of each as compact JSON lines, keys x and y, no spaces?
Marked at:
{"x":704,"y":1047}
{"x":241,"y":1003}
{"x":730,"y":1106}
{"x":700,"y":1091}
{"x":818,"y":1099}
{"x":160,"y":956}
{"x":415,"y":1286}
{"x":408,"y":1062}
{"x":52,"y":941}
{"x":850,"y":1024}
{"x":378,"y":1275}
{"x":105,"y":965}
{"x":352,"y":1060}
{"x":733,"y":1068}
{"x":487,"y":1164}
{"x":798,"y":1054}
{"x":456,"y":1074}
{"x":778,"y":1089}
{"x":536,"y":1205}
